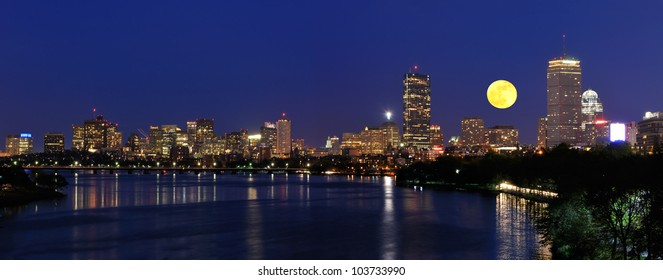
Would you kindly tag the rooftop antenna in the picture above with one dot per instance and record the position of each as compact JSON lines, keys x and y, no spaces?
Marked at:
{"x":564,"y":44}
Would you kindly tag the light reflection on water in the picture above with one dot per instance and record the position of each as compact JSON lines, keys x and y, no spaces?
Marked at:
{"x":209,"y":216}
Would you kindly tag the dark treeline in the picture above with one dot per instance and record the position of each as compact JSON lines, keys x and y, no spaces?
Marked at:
{"x":609,"y":203}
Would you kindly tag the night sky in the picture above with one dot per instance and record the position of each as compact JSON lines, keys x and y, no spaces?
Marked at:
{"x":332,"y":66}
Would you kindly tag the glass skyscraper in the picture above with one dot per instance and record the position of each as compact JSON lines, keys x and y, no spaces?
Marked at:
{"x":416,"y":111}
{"x":564,"y":101}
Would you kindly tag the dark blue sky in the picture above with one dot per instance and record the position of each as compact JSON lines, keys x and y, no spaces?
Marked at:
{"x":332,"y":66}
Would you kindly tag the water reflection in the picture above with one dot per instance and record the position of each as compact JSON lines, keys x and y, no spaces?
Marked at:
{"x":205,"y":216}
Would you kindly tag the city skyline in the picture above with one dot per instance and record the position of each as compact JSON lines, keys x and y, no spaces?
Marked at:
{"x":146,"y":65}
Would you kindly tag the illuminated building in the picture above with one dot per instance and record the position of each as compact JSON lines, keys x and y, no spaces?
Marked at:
{"x":168,"y":138}
{"x":237,"y":144}
{"x":333,"y":145}
{"x":77,"y":137}
{"x":283,"y":139}
{"x":19,"y":144}
{"x":564,"y":101}
{"x":501,"y":136}
{"x":155,"y":139}
{"x":351,"y":143}
{"x":436,"y":137}
{"x":268,"y":136}
{"x":472,"y":133}
{"x":298,"y":147}
{"x":97,"y":134}
{"x":372,"y":141}
{"x":650,"y":133}
{"x":392,"y":137}
{"x":204,"y":130}
{"x":631,"y":132}
{"x":592,"y":111}
{"x":416,"y":111}
{"x":597,"y":132}
{"x":617,"y":132}
{"x":191,"y":129}
{"x":133,"y":145}
{"x":541,"y":133}
{"x":53,"y":143}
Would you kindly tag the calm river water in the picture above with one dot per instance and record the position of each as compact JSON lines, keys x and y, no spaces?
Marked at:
{"x":208,"y":216}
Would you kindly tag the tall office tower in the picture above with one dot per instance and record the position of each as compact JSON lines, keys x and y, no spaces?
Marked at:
{"x":133,"y":144}
{"x":472,"y":133}
{"x":416,"y":110}
{"x":77,"y":137}
{"x":268,"y":136}
{"x":283,"y":140}
{"x":191,"y":132}
{"x":19,"y":144}
{"x":169,"y":138}
{"x":592,"y":115}
{"x":53,"y":142}
{"x":298,"y":147}
{"x":650,"y":133}
{"x":392,"y":137}
{"x":97,"y":134}
{"x":564,"y":101}
{"x":204,"y":130}
{"x":237,"y":143}
{"x":436,"y":136}
{"x":155,"y":139}
{"x":541,"y":133}
{"x":502,"y":136}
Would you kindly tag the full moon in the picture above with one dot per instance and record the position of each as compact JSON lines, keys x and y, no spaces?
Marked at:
{"x":502,"y":94}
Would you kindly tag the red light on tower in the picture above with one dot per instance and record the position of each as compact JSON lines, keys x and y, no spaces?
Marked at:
{"x":283,"y":115}
{"x":416,"y":67}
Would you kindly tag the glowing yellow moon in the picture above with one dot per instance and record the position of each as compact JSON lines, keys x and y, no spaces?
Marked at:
{"x":502,"y":94}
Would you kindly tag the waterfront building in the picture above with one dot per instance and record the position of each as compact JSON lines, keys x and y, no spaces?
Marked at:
{"x":472,"y":132}
{"x":96,"y":134}
{"x":283,"y":139}
{"x":19,"y":144}
{"x":351,"y":143}
{"x":650,"y":133}
{"x":416,"y":111}
{"x":268,"y":136}
{"x":564,"y":101}
{"x":53,"y":142}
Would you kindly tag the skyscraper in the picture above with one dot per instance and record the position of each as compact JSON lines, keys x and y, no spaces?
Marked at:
{"x":501,"y":136}
{"x":650,"y":133}
{"x":592,"y":124}
{"x":564,"y":101}
{"x":283,"y":140}
{"x":436,"y":137}
{"x":97,"y":134}
{"x":472,"y":130}
{"x":416,"y":111}
{"x":541,"y":139}
{"x":53,"y":143}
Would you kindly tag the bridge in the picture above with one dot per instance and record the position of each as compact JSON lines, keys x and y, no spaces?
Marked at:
{"x":165,"y":170}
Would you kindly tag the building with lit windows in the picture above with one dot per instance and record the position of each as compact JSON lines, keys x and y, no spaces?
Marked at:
{"x":53,"y":142}
{"x":97,"y":134}
{"x":19,"y":144}
{"x":501,"y":136}
{"x":392,"y":137}
{"x":436,"y":136}
{"x":472,"y":132}
{"x":631,"y":133}
{"x":283,"y":139}
{"x":416,"y":111}
{"x":372,"y":141}
{"x":564,"y":101}
{"x":650,"y":133}
{"x":541,"y":135}
{"x":268,"y":136}
{"x":592,"y":127}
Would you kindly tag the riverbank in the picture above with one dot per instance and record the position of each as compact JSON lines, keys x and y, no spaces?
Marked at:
{"x":20,"y":196}
{"x":529,"y":194}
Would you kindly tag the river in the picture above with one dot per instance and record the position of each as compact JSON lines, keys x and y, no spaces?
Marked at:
{"x":243,"y":216}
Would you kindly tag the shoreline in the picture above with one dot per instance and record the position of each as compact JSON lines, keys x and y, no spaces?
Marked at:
{"x":20,"y":197}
